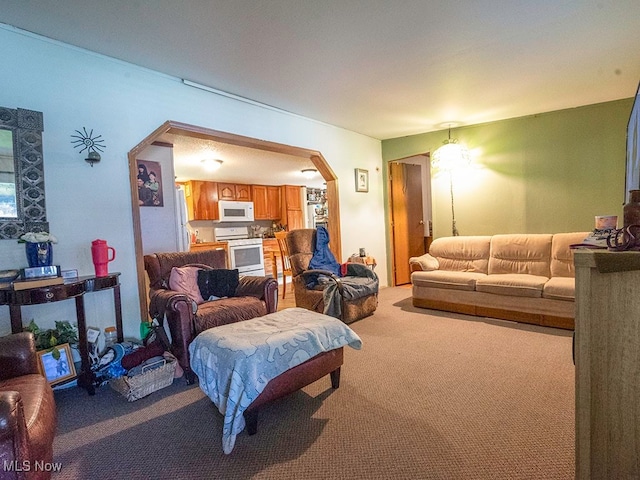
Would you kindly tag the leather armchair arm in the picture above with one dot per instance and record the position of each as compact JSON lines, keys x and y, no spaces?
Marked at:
{"x":17,"y":355}
{"x":264,"y":288}
{"x":13,"y":429}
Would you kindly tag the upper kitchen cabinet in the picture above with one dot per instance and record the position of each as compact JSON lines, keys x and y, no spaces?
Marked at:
{"x":234,"y":191}
{"x":292,"y":214}
{"x":266,"y":202}
{"x":202,"y":200}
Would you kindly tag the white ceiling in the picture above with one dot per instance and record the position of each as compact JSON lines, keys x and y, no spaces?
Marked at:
{"x":382,"y":68}
{"x":239,"y":164}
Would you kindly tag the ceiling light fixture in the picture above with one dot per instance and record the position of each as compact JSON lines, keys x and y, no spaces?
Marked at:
{"x":450,"y":157}
{"x":211,"y":164}
{"x":309,"y":172}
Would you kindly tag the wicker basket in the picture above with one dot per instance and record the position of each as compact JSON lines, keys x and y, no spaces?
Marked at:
{"x":139,"y":386}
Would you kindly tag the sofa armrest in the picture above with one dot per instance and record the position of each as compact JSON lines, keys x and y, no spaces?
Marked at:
{"x":17,"y":355}
{"x":14,"y":444}
{"x":424,"y":263}
{"x":264,"y":288}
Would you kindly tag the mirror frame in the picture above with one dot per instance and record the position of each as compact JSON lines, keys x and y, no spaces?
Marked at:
{"x":27,"y":127}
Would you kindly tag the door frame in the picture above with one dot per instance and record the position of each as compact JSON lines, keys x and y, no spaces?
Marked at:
{"x":391,"y":254}
{"x":179,"y":128}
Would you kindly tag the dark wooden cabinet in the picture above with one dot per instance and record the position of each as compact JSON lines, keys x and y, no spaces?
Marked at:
{"x":202,"y":200}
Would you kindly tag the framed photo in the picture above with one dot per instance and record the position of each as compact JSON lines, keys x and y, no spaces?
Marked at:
{"x":57,"y":370}
{"x":362,"y":180}
{"x":149,"y":184}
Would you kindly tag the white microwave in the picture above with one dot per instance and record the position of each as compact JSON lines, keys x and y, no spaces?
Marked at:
{"x":235,"y":211}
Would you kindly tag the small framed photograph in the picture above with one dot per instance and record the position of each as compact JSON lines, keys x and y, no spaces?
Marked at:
{"x":149,"y":184}
{"x":59,"y":369}
{"x":362,"y":180}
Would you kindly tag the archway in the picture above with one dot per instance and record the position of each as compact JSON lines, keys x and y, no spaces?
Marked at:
{"x":205,"y":133}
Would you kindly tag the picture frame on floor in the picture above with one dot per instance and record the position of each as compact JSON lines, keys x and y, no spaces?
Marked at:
{"x":57,"y":370}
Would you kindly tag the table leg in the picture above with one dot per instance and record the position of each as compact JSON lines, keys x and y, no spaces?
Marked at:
{"x":118,"y":310}
{"x":85,"y":376}
{"x":16,"y":318}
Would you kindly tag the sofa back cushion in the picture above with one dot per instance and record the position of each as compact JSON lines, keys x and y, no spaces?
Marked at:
{"x":562,"y":255}
{"x":462,"y":254}
{"x":521,"y":253}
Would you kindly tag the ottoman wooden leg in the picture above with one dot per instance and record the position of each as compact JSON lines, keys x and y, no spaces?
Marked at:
{"x":335,"y":378}
{"x":251,"y":421}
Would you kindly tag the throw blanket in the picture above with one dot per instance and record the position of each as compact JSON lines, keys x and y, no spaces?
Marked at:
{"x":322,"y":258}
{"x":235,"y":362}
{"x":359,"y":282}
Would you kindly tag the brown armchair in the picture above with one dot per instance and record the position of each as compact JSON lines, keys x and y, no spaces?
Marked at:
{"x":27,"y":410}
{"x":254,"y":297}
{"x":353,"y":306}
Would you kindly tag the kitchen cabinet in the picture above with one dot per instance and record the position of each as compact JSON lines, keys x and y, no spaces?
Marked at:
{"x":234,"y":191}
{"x":292,"y":215}
{"x":202,"y":200}
{"x":266,"y":202}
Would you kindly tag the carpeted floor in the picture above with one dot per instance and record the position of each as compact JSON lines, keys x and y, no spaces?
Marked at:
{"x":431,"y":395}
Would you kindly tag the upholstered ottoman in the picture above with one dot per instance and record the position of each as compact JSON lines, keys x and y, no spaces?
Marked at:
{"x":243,"y":365}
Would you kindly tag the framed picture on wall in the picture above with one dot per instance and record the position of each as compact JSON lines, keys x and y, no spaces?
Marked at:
{"x":362,"y":180}
{"x":149,"y":184}
{"x":57,"y":369}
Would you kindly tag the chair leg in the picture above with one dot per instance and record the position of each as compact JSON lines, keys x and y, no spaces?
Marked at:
{"x":284,"y":285}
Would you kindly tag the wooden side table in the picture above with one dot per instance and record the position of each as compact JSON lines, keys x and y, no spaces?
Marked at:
{"x":72,"y":288}
{"x":368,"y":261}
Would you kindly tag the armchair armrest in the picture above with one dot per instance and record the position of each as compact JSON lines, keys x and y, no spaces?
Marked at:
{"x":17,"y":355}
{"x":264,"y":288}
{"x":14,"y":441}
{"x":332,"y":276}
{"x":424,"y":263}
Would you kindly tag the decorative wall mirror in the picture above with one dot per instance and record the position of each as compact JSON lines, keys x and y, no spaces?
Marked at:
{"x":22,"y":199}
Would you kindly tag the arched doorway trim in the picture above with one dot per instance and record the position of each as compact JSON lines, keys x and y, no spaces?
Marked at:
{"x":205,"y":133}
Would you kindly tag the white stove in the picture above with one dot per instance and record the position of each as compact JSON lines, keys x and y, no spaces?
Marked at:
{"x":246,"y":254}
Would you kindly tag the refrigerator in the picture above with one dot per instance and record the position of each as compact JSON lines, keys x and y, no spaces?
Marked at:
{"x":182,"y":218}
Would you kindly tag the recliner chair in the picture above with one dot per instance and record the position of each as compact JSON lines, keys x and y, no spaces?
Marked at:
{"x":355,"y":303}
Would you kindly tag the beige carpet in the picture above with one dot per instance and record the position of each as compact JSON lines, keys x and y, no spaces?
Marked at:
{"x":430,"y":395}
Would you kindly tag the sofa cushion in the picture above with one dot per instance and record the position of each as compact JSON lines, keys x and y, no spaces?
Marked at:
{"x":444,"y":279}
{"x":562,"y":255}
{"x":513,"y":284}
{"x":521,"y":254}
{"x":185,"y":280}
{"x":462,"y":254}
{"x":228,"y":310}
{"x":560,"y":288}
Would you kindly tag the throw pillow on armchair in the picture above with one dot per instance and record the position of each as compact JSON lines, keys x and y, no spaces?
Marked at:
{"x":218,"y":283}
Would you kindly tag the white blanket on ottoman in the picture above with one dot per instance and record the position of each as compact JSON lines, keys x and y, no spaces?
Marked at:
{"x":235,"y":362}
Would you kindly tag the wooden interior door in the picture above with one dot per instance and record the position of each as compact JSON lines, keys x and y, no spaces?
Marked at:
{"x":407,"y":219}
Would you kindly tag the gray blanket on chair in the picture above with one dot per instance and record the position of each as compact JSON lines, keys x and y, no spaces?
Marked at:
{"x":359,"y":282}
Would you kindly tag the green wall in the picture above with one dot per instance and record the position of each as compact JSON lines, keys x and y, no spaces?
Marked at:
{"x":545,"y":173}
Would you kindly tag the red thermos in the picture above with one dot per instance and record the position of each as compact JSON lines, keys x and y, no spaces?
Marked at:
{"x":100,"y":254}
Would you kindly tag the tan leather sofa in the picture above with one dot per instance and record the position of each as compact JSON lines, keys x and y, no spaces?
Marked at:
{"x":525,"y":278}
{"x":28,"y":417}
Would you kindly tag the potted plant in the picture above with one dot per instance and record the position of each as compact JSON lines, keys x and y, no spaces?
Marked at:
{"x":48,"y":339}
